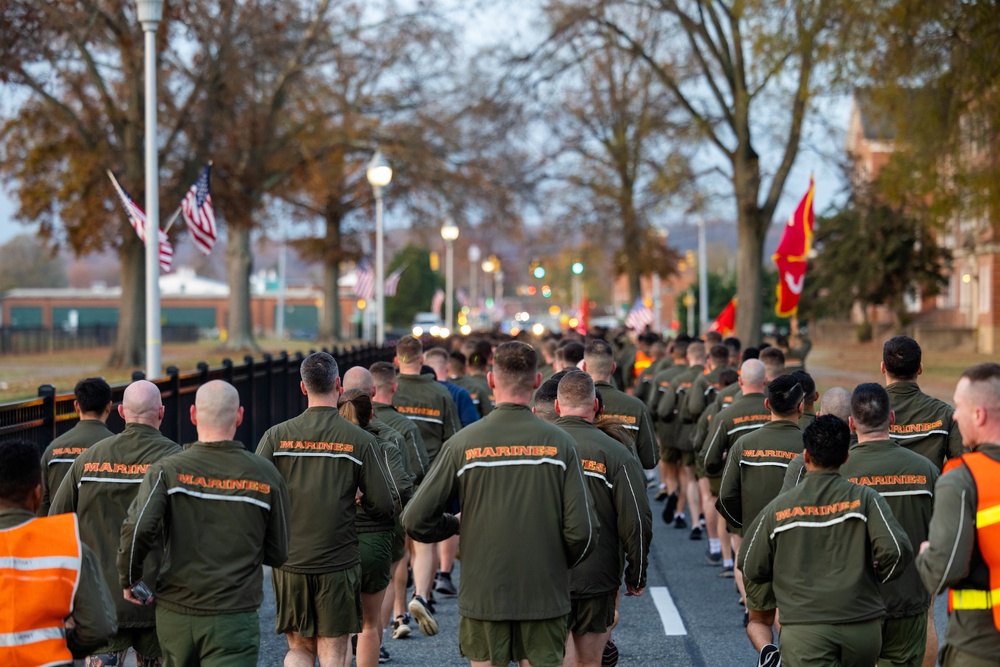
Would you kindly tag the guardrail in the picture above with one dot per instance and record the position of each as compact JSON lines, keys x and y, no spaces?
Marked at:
{"x":269,"y":393}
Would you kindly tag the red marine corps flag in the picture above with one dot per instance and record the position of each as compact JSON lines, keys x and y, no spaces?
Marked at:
{"x":725,"y":323}
{"x":792,"y":254}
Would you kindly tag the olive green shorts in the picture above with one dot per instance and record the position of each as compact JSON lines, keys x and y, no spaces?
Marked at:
{"x":760,"y":597}
{"x":593,"y":614}
{"x":398,"y":541}
{"x":846,"y":644}
{"x":699,"y":466}
{"x":904,"y":641}
{"x":715,"y":484}
{"x":225,"y":640}
{"x":682,"y":456}
{"x":376,"y":557}
{"x":143,"y":640}
{"x":318,"y":605}
{"x":953,"y":657}
{"x":542,"y":643}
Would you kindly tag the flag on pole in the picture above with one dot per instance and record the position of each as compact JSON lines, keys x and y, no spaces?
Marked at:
{"x":792,"y":255}
{"x":462,"y":297}
{"x":199,"y":214}
{"x":137,"y":218}
{"x":639,"y":316}
{"x":437,"y":302}
{"x":725,"y":323}
{"x":392,"y":282}
{"x":364,"y":286}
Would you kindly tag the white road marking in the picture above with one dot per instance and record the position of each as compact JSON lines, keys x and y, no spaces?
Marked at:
{"x":673,"y":626}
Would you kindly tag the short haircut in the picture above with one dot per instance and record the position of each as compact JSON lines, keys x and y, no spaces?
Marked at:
{"x":515,"y":366}
{"x":781,"y":340}
{"x":774,"y":361}
{"x":356,"y":407}
{"x":870,"y":407}
{"x":984,"y":379}
{"x":713,"y":338}
{"x":573,"y":353}
{"x":480,"y":358}
{"x":733,"y":344}
{"x":784,"y":393}
{"x":600,"y":357}
{"x":358,"y":377}
{"x":728,"y":377}
{"x":93,"y":394}
{"x":409,"y":349}
{"x":20,"y":470}
{"x":576,"y":390}
{"x":837,"y":402}
{"x":319,"y":373}
{"x":808,"y":385}
{"x":753,"y":373}
{"x":681,"y":348}
{"x":549,"y":347}
{"x":682,"y":338}
{"x":545,"y":397}
{"x":437,"y":353}
{"x":384,"y":374}
{"x":750,"y":353}
{"x":696,"y":351}
{"x":457,"y":360}
{"x":719,"y":354}
{"x":901,"y":356}
{"x":827,"y":440}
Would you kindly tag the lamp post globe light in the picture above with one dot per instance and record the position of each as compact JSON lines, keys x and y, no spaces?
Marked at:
{"x":474,"y":256}
{"x":449,"y":232}
{"x":150,"y":13}
{"x":379,"y":175}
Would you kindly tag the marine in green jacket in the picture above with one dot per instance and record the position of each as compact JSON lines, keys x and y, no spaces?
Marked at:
{"x":213,"y":550}
{"x":906,"y":481}
{"x":324,"y":460}
{"x":518,"y":481}
{"x":413,"y":449}
{"x":665,"y":427}
{"x":661,"y":360}
{"x":92,"y":402}
{"x":617,"y":487}
{"x":809,"y":400}
{"x":476,"y":385}
{"x":825,"y":546}
{"x":836,"y":402}
{"x":100,"y":487}
{"x":599,"y":362}
{"x":422,"y":398}
{"x":953,"y":555}
{"x":923,"y":423}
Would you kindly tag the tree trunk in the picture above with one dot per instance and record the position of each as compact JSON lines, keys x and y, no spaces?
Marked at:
{"x":129,"y":349}
{"x":239,"y":264}
{"x":631,"y":240}
{"x":749,"y":311}
{"x":330,"y":325}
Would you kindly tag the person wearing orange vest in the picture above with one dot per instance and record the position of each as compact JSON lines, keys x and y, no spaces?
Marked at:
{"x":62,"y":608}
{"x":963,"y":547}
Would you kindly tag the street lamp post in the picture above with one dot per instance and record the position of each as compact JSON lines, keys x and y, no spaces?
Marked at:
{"x":449,"y":232}
{"x":577,"y":269}
{"x":379,"y":175}
{"x":150,"y":13}
{"x":474,"y":256}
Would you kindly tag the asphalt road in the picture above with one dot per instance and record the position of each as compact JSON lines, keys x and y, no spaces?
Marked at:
{"x":706,"y":628}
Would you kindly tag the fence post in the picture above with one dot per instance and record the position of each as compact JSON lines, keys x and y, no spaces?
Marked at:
{"x":174,"y":374}
{"x":251,"y":402}
{"x":227,"y":368}
{"x":293,"y":389}
{"x":268,"y":389}
{"x":47,"y":393}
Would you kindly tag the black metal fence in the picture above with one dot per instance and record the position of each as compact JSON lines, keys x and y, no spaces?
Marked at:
{"x":35,"y":340}
{"x":269,"y":393}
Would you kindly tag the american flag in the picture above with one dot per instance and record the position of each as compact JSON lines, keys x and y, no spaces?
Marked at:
{"x":639,"y":316}
{"x":462,"y":297}
{"x":392,"y":282}
{"x":364,"y":287}
{"x":137,"y":218}
{"x":198,"y":213}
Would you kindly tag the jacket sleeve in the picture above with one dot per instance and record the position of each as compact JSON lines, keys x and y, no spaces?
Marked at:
{"x":94,"y":612}
{"x":402,"y":479}
{"x":891,"y":547}
{"x":467,"y":411}
{"x":276,"y":536}
{"x":452,"y":423}
{"x":730,"y":502}
{"x":635,"y":521}
{"x":645,"y":442}
{"x":793,"y":473}
{"x":952,"y":533}
{"x":47,"y":493}
{"x":667,"y":403}
{"x":265,"y":448}
{"x":757,"y":553}
{"x":416,"y":453}
{"x":955,"y":446}
{"x":580,"y":524}
{"x":714,"y":450}
{"x":697,"y":399}
{"x":653,"y":398}
{"x":66,"y":497}
{"x":424,"y":518}
{"x":376,"y":483}
{"x":142,"y":526}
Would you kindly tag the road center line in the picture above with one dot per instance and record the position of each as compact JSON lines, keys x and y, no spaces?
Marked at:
{"x":672,"y":624}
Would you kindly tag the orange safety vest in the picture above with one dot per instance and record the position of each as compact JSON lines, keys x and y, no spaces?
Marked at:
{"x":986,"y":473}
{"x":39,"y":572}
{"x":642,"y":362}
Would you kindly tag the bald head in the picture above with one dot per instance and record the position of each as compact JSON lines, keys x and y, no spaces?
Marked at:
{"x":216,"y":411}
{"x":752,"y":374}
{"x":360,"y":378}
{"x":142,"y":404}
{"x":837,"y":402}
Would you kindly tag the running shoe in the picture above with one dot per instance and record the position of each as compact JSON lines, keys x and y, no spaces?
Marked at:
{"x":770,"y":656}
{"x":610,"y":657}
{"x":714,"y":559}
{"x":670,"y":508}
{"x":726,"y":573}
{"x":401,"y":627}
{"x":661,"y":494}
{"x":695,"y":533}
{"x":383,"y":655}
{"x":680,"y":522}
{"x":443,"y":584}
{"x":422,"y":614}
